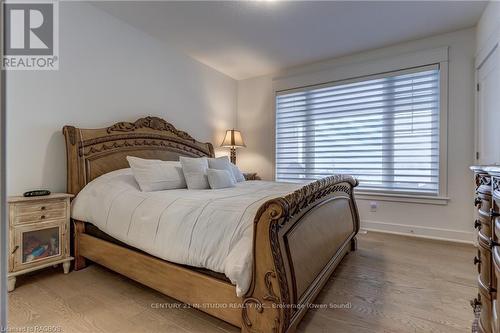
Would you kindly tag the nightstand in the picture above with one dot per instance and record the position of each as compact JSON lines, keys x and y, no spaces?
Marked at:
{"x":251,"y":176}
{"x":38,"y":234}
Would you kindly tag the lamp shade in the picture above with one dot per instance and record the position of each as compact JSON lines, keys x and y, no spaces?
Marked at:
{"x":233,"y":139}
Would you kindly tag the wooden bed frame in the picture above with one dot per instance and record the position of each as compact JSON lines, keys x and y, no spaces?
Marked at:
{"x":299,"y":239}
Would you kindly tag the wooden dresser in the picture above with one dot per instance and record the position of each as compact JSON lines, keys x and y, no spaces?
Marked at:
{"x":487,"y":223}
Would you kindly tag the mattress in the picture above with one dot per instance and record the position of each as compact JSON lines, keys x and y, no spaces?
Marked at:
{"x":209,"y":229}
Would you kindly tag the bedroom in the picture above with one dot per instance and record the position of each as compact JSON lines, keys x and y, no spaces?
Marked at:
{"x":351,"y":205}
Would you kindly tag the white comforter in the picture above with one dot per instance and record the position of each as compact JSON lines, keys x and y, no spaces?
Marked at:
{"x":212,"y":229}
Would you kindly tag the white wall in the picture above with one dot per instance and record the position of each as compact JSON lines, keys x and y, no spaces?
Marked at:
{"x":256,"y":121}
{"x":108,"y":72}
{"x":452,"y":221}
{"x":488,"y":26}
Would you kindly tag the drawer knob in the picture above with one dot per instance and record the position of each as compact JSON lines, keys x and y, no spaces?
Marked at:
{"x":42,"y":208}
{"x":42,"y":217}
{"x":477,"y":224}
{"x":477,"y":202}
{"x":476,"y":260}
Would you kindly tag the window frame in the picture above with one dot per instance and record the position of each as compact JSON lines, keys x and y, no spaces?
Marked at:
{"x":441,"y":197}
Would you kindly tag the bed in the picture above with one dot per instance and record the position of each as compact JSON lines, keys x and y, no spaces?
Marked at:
{"x":289,"y":226}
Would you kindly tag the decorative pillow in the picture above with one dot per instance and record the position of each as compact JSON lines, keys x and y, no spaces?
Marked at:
{"x":220,"y":179}
{"x":195,"y":172}
{"x":238,"y":175}
{"x":222,"y":163}
{"x":156,"y":175}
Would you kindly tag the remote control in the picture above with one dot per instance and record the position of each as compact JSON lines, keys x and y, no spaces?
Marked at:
{"x":36,"y":193}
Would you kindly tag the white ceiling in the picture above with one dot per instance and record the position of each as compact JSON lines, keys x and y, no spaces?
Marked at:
{"x":253,"y":38}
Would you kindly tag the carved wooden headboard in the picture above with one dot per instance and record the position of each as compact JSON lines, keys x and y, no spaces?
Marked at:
{"x":94,"y":152}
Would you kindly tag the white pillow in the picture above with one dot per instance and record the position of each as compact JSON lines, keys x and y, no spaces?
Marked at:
{"x":156,"y":175}
{"x":195,"y":172}
{"x":220,"y":178}
{"x":238,"y":175}
{"x":222,"y":163}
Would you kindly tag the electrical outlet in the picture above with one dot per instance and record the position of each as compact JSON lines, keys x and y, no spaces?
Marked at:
{"x":373,"y":206}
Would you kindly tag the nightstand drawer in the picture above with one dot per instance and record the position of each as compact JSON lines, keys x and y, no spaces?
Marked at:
{"x":41,"y":216}
{"x":42,"y":206}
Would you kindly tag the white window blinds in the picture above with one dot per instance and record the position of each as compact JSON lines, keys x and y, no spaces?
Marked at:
{"x":383,"y":129}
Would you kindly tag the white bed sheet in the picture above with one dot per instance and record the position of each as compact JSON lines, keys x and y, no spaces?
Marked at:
{"x":212,"y":229}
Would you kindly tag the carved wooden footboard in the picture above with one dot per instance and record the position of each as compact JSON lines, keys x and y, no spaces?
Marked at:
{"x":299,"y":239}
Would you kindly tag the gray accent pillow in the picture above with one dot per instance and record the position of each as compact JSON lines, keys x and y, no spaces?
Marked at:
{"x":222,"y":163}
{"x":195,"y":172}
{"x":220,"y":179}
{"x":156,"y":175}
{"x":238,"y":175}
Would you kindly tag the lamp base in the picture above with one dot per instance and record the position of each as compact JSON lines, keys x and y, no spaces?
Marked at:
{"x":233,"y":156}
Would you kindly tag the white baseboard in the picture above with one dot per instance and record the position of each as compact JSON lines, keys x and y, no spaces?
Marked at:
{"x":419,"y":231}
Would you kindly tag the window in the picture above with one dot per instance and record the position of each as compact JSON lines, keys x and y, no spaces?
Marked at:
{"x":383,"y":129}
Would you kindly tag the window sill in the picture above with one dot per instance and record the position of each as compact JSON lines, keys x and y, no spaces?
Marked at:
{"x":408,"y":198}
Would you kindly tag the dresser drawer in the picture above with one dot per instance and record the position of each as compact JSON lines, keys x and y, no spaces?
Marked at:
{"x":484,"y":267}
{"x":484,"y":261}
{"x":495,"y":219}
{"x":496,"y":261}
{"x":497,"y":229}
{"x":486,"y":309}
{"x":495,"y":311}
{"x":485,"y":224}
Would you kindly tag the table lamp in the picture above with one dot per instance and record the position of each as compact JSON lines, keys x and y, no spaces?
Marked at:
{"x":233,"y":140}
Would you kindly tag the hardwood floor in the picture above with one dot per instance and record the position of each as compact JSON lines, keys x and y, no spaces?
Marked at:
{"x":391,"y":284}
